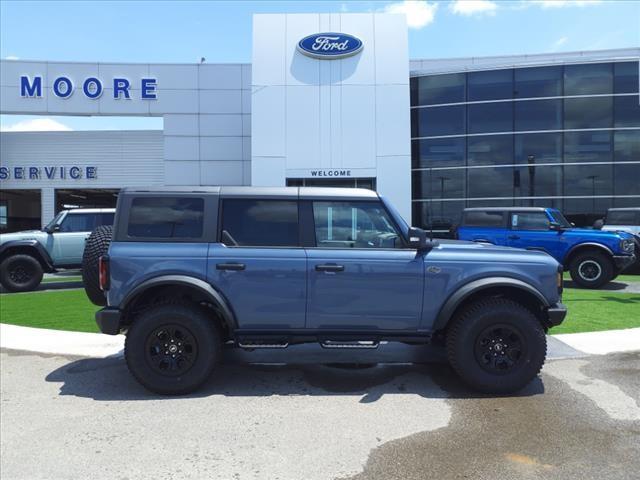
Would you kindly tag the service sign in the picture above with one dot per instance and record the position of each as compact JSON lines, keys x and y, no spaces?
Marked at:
{"x":329,"y":46}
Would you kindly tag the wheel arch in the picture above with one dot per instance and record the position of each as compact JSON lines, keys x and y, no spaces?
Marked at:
{"x":168,"y":287}
{"x":584,"y":247}
{"x":27,"y":247}
{"x":486,"y":287}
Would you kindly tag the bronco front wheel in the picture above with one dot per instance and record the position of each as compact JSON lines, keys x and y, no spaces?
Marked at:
{"x":496,"y":345}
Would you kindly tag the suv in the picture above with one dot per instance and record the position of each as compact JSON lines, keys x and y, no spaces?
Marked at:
{"x":593,"y":257}
{"x":25,"y":256}
{"x":187,"y":271}
{"x":622,"y":220}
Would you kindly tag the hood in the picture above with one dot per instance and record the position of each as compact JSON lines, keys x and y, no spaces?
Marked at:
{"x":24,"y":235}
{"x":465,"y":247}
{"x":602,"y":234}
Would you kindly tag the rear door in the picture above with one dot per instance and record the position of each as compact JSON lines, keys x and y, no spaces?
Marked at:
{"x":258,"y":263}
{"x":484,"y":226}
{"x":533,"y":230}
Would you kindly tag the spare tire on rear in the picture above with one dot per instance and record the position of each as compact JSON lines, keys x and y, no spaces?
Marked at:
{"x":97,"y":245}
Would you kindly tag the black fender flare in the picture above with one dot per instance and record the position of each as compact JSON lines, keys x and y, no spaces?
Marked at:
{"x":203,"y":287}
{"x":41,"y":253}
{"x":579,"y":246}
{"x":468,"y":289}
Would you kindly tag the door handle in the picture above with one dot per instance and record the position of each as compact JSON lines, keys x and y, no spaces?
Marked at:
{"x":514,"y":237}
{"x":230,"y":266}
{"x":329,"y":267}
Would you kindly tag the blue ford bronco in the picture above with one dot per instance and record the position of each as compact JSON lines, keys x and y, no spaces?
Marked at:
{"x":188,"y":270}
{"x":593,"y":257}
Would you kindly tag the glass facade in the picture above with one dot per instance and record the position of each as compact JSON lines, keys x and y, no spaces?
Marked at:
{"x":563,"y":136}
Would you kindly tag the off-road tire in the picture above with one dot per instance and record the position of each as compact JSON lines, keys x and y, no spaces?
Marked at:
{"x":595,"y":260}
{"x":20,"y":273}
{"x":495,"y":314}
{"x":97,"y":245}
{"x":143,"y":334}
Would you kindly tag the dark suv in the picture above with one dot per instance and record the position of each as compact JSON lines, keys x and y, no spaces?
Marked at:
{"x":190,"y":270}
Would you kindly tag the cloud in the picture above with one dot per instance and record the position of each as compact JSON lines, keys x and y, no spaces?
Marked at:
{"x":561,"y":41}
{"x":11,"y":57}
{"x":473,"y":7}
{"x":419,"y":13}
{"x":36,"y":125}
{"x":565,"y":3}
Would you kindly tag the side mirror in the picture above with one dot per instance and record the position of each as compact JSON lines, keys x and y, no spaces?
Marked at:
{"x":598,"y":224}
{"x":418,"y":239}
{"x":556,"y":226}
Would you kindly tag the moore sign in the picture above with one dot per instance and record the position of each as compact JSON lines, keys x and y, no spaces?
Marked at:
{"x":330,"y":45}
{"x":90,"y":87}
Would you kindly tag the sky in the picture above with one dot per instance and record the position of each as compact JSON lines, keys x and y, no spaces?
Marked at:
{"x":183,"y":32}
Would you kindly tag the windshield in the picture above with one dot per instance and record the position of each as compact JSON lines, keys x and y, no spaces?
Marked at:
{"x":559,"y":218}
{"x":54,"y":222}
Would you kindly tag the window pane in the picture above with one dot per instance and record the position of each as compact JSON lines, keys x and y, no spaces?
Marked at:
{"x":166,"y":217}
{"x":588,"y":79}
{"x":434,"y":184}
{"x":530,"y":221}
{"x":353,"y":225}
{"x":621,"y":217}
{"x":438,"y":152}
{"x":588,"y":180}
{"x":587,"y":147}
{"x":538,"y":82}
{"x":260,"y":223}
{"x":105,"y":219}
{"x":583,"y":212}
{"x":627,"y":111}
{"x":538,"y":115}
{"x":440,"y":216}
{"x":78,"y":222}
{"x":483,"y":218}
{"x":627,"y":146}
{"x":435,"y":89}
{"x":627,"y":179}
{"x":490,"y":150}
{"x":490,"y":117}
{"x":589,"y":112}
{"x":538,"y":148}
{"x":440,"y":121}
{"x":625,"y":77}
{"x":537,"y":181}
{"x":490,"y":85}
{"x":490,"y":182}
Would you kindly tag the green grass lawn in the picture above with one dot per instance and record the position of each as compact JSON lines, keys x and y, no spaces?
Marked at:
{"x":619,"y":278}
{"x":71,"y":310}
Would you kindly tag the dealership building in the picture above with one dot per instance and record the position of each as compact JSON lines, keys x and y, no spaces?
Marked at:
{"x":334,"y":100}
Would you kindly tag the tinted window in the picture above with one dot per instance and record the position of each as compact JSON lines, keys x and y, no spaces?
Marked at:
{"x":353,"y":225}
{"x":166,"y":217}
{"x":627,"y":179}
{"x":436,"y":121}
{"x":537,"y":181}
{"x":105,"y":219}
{"x":434,"y":89}
{"x":588,"y":180}
{"x":78,"y":222}
{"x":535,"y":148}
{"x":438,"y":152}
{"x":439,"y":183}
{"x":589,"y":112}
{"x":490,"y":150}
{"x":627,"y":146}
{"x":588,"y":79}
{"x":490,"y":117}
{"x":259,"y":223}
{"x":490,"y":85}
{"x":587,"y":147}
{"x":625,"y":77}
{"x":490,"y":182}
{"x":483,"y":219}
{"x":621,"y":217}
{"x":529,"y":221}
{"x":627,"y":111}
{"x":538,"y":82}
{"x":440,"y":216}
{"x":538,"y":115}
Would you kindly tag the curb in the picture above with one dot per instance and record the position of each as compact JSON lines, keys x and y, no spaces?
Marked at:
{"x":97,"y":345}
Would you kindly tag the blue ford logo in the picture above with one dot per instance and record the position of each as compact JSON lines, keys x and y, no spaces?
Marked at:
{"x":330,"y":45}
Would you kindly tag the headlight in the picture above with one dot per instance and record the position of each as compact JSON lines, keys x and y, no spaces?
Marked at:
{"x":627,"y":245}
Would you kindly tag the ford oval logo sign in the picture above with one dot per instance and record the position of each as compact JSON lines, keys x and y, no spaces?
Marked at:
{"x":330,"y":45}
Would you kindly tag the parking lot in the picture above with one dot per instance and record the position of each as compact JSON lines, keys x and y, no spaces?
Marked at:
{"x":398,"y":412}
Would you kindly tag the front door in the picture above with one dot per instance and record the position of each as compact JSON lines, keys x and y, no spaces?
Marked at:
{"x":258,"y":264}
{"x":532,"y":230}
{"x":70,"y":236}
{"x":360,"y":275}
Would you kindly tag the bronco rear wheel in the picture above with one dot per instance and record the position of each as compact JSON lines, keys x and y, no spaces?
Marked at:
{"x":172,"y":349}
{"x":20,"y":273}
{"x":496,"y":345}
{"x":97,"y":245}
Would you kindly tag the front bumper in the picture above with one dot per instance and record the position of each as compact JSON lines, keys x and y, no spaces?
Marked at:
{"x":108,"y":320}
{"x":623,"y":261}
{"x":556,"y":314}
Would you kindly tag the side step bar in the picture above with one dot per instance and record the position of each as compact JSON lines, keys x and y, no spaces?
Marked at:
{"x":251,"y":345}
{"x":350,"y":344}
